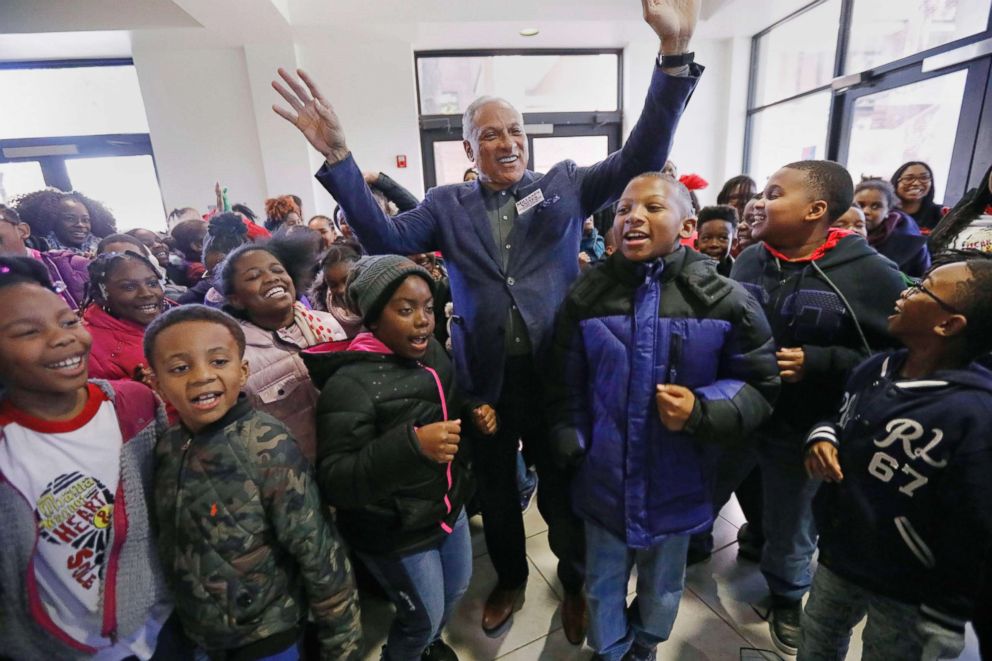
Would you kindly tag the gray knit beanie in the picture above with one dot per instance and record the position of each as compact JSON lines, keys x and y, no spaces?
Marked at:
{"x":373,"y":280}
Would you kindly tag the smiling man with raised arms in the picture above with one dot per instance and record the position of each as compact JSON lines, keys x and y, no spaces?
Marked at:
{"x":510,"y":239}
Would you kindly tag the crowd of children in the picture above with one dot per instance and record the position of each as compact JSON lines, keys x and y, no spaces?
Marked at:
{"x":811,"y":303}
{"x":201,"y":432}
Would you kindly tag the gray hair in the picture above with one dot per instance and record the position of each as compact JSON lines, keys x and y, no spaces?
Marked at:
{"x":468,"y":119}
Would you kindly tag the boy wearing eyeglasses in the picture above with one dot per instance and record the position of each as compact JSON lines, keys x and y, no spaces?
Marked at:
{"x":905,"y":511}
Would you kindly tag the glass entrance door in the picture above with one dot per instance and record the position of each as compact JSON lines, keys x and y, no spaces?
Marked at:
{"x":907,"y":115}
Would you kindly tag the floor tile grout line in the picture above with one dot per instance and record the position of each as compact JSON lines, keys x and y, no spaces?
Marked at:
{"x":729,"y":521}
{"x":550,"y":584}
{"x":730,"y":624}
{"x":517,"y":649}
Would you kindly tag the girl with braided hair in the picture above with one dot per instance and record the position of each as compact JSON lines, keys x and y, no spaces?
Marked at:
{"x":66,"y":221}
{"x":124,"y":295}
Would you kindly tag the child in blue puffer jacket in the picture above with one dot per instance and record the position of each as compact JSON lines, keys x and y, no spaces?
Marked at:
{"x":659,"y":360}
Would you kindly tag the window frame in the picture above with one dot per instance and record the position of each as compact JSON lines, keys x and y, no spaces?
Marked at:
{"x":52,"y":165}
{"x":445,"y":128}
{"x":975,"y":119}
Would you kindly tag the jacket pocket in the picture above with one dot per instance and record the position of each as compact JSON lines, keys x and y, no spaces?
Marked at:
{"x":914,"y":542}
{"x":419,"y":512}
{"x":280,"y":389}
{"x":250,"y":597}
{"x":252,"y":587}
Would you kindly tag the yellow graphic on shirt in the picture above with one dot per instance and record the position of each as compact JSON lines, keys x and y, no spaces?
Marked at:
{"x":77,"y":510}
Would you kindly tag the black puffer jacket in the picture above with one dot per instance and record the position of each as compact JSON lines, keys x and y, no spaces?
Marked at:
{"x":390,"y":497}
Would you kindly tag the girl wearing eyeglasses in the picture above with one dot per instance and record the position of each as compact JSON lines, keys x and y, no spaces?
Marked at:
{"x":913,"y":182}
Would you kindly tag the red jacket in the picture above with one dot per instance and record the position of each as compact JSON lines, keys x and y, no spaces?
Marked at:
{"x":117,"y":350}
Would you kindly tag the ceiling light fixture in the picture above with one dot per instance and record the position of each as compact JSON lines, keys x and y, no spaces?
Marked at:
{"x":529,"y":32}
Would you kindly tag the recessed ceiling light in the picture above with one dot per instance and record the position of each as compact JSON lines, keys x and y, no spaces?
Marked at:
{"x":529,"y":32}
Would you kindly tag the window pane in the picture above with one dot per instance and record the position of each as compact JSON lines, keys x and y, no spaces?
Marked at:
{"x":792,"y":131}
{"x":916,"y":122}
{"x":886,"y":31}
{"x":126,"y":184}
{"x":450,"y":162}
{"x":798,"y":56}
{"x":74,"y":101}
{"x":584,"y":150}
{"x":532,"y":83}
{"x":19,"y":178}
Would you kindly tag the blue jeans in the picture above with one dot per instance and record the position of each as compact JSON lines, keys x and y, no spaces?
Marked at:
{"x":836,"y":605}
{"x":613,"y":627}
{"x":787,"y":509}
{"x":424,"y":586}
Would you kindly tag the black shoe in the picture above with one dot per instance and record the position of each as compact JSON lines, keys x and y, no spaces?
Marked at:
{"x":749,"y":545}
{"x":783,"y":621}
{"x":641,"y":652}
{"x":438,"y":651}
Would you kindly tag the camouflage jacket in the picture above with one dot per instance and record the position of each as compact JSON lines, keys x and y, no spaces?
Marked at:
{"x":244,"y":540}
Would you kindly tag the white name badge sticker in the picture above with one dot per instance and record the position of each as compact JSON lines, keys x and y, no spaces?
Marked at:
{"x":529,"y":202}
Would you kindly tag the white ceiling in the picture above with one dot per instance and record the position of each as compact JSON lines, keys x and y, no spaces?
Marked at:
{"x":105,"y":28}
{"x":26,"y":16}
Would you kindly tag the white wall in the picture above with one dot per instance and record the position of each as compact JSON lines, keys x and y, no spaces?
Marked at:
{"x":209,"y":110}
{"x":201,"y":118}
{"x":702,"y":133}
{"x":367,"y":75}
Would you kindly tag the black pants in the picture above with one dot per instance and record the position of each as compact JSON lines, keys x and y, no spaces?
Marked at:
{"x":749,"y":497}
{"x":522,"y":416}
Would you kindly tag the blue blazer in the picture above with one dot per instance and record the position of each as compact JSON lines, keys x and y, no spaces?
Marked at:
{"x":544,"y":240}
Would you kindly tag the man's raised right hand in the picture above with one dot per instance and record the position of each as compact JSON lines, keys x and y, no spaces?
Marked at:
{"x":311,"y":114}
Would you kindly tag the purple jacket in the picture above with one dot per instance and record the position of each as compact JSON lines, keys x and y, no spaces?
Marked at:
{"x":69,"y":274}
{"x":906,"y":246}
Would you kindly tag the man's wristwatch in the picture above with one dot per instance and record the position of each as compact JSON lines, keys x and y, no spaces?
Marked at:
{"x":675,"y":61}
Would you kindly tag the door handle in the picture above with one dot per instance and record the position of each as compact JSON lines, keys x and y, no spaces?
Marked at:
{"x":841,"y":83}
{"x":957,"y":56}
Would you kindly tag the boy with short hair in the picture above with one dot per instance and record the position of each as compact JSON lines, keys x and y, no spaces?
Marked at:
{"x":905,"y":515}
{"x":659,"y":361}
{"x":826,"y":294}
{"x":244,"y":539}
{"x":716,"y":227}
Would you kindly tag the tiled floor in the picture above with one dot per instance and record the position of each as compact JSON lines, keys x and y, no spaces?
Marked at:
{"x":718,"y":618}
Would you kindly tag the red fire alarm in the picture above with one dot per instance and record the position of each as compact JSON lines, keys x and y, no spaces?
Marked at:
{"x":401,"y":160}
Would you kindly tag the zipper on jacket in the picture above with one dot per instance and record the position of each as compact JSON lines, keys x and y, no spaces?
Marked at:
{"x":674,"y":357}
{"x":179,"y":480}
{"x":447,"y":470}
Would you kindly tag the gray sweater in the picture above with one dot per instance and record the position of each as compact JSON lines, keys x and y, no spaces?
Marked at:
{"x":139,"y":581}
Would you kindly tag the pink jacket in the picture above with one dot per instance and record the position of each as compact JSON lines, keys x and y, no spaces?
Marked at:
{"x":117,"y":350}
{"x":279,"y":383}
